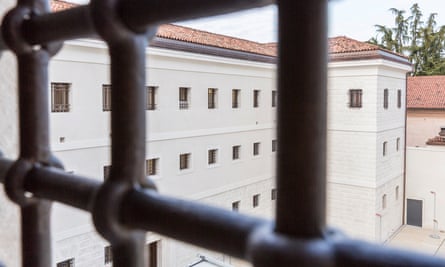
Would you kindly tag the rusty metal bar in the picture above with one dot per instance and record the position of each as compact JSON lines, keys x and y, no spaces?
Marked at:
{"x":301,"y":126}
{"x":136,"y":14}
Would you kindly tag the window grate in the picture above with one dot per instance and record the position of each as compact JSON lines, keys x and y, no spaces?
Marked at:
{"x":288,"y":241}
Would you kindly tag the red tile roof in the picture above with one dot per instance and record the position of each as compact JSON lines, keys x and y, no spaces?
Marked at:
{"x":185,"y":34}
{"x":58,"y":5}
{"x":343,"y":44}
{"x":426,"y":92}
{"x":340,"y":48}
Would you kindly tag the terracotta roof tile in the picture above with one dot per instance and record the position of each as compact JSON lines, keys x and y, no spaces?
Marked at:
{"x":190,"y":35}
{"x":426,"y":92}
{"x":342,"y":47}
{"x":57,"y":5}
{"x":343,"y":44}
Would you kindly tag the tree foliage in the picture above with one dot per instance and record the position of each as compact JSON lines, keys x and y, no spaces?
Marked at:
{"x":422,"y":41}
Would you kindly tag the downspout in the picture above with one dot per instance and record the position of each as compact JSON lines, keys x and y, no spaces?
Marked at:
{"x":408,"y":74}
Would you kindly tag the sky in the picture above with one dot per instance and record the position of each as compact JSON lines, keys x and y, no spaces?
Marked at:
{"x":352,"y":18}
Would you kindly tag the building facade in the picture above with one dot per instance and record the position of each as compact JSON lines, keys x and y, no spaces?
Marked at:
{"x":366,"y":137}
{"x":425,"y":108}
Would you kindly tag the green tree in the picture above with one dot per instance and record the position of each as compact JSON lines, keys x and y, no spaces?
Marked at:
{"x":423,"y":42}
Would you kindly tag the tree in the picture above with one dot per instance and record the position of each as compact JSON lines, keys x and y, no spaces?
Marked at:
{"x":423,"y":42}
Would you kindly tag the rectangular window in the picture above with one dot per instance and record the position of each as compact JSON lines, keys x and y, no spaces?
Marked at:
{"x":106,"y":97}
{"x":385,"y":144}
{"x":256,"y":148}
{"x":151,"y":166}
{"x":274,"y":145}
{"x":385,"y":98}
{"x":274,"y":98}
{"x":256,"y":200}
{"x":235,"y":98}
{"x":273,"y":194}
{"x":212,"y":156}
{"x":108,"y":256}
{"x":398,"y":144}
{"x":256,"y":98}
{"x":153,"y":254}
{"x":67,"y":263}
{"x":355,"y":98}
{"x":212,"y":98}
{"x":184,"y":161}
{"x":184,"y":97}
{"x":399,"y":98}
{"x":107,"y":170}
{"x":235,"y":205}
{"x":60,"y":97}
{"x":151,"y":97}
{"x":236,"y":152}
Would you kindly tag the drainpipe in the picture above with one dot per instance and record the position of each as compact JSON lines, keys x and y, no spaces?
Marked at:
{"x":408,"y":74}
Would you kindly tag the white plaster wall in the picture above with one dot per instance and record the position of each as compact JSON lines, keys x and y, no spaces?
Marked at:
{"x":352,"y":209}
{"x":425,"y":170}
{"x":391,"y":217}
{"x":9,"y":215}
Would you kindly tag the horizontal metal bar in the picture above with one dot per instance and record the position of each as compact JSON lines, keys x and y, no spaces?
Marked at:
{"x":195,"y":223}
{"x":136,"y":14}
{"x":358,"y":253}
{"x":210,"y":227}
{"x":57,"y":185}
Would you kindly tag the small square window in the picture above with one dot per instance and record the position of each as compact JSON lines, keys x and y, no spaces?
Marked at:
{"x":398,"y":144}
{"x":385,"y":144}
{"x":212,"y":156}
{"x":66,"y":263}
{"x":273,"y":194}
{"x":106,"y":97}
{"x":256,"y":200}
{"x":256,"y":98}
{"x":151,"y":97}
{"x":107,"y":171}
{"x":385,"y":98}
{"x":256,"y":148}
{"x":274,"y":98}
{"x":399,"y":98}
{"x":235,"y":205}
{"x":108,"y":255}
{"x":384,"y":201}
{"x":184,"y":161}
{"x":184,"y":98}
{"x":274,"y":145}
{"x":236,"y":152}
{"x":355,"y":98}
{"x":60,"y":97}
{"x":212,"y":98}
{"x":151,"y":166}
{"x":397,"y":192}
{"x":236,"y":98}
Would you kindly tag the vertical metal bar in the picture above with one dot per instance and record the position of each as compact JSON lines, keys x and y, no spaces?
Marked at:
{"x":34,"y":146}
{"x":128,"y":110}
{"x":301,"y":173}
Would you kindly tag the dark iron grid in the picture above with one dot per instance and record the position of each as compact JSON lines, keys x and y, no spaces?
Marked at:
{"x":298,"y":236}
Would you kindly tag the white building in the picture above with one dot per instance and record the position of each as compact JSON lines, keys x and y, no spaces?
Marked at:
{"x":210,"y":123}
{"x":366,"y":138}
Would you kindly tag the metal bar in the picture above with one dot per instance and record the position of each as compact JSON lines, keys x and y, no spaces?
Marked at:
{"x":136,"y":14}
{"x":55,"y":184}
{"x":34,"y":146}
{"x":301,"y":127}
{"x":359,"y":253}
{"x":210,"y":227}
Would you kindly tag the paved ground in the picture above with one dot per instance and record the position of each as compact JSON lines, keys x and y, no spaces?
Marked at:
{"x":419,"y":239}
